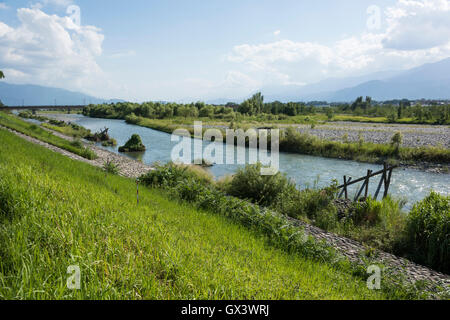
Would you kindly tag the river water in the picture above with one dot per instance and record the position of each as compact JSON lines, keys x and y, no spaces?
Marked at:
{"x":307,"y":171}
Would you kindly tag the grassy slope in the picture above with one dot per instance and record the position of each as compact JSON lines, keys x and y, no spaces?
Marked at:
{"x":56,"y":212}
{"x":32,"y":130}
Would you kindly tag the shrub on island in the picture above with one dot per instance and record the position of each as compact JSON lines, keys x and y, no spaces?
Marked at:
{"x":133,"y":145}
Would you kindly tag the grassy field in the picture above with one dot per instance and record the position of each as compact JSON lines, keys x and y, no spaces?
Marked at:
{"x":33,"y":130}
{"x":56,"y":212}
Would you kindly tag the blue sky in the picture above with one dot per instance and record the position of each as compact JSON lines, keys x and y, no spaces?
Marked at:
{"x":197,"y":49}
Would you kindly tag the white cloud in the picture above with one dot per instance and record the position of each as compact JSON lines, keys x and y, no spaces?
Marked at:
{"x":416,"y":25}
{"x":3,"y":6}
{"x":52,"y":50}
{"x":59,"y":3}
{"x":417,"y":32}
{"x":277,"y":32}
{"x":124,"y":54}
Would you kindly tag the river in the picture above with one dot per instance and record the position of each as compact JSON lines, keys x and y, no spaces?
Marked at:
{"x":307,"y":171}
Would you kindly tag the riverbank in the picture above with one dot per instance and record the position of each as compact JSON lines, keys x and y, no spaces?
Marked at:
{"x":32,"y":130}
{"x":191,"y":188}
{"x":127,"y":167}
{"x":349,"y":248}
{"x":69,"y":213}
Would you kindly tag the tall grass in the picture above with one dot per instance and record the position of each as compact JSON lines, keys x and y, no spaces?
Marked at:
{"x":428,"y":232}
{"x":71,"y":130}
{"x":56,"y":212}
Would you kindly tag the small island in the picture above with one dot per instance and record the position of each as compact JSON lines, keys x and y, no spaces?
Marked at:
{"x":133,"y":145}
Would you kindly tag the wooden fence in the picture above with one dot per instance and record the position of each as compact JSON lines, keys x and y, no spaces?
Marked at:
{"x":386,"y":175}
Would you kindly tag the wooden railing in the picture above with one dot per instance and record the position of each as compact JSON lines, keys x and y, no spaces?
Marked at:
{"x":386,"y":175}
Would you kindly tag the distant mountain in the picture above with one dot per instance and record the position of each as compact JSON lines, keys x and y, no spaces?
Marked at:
{"x":32,"y":95}
{"x":429,"y":81}
{"x":320,"y":89}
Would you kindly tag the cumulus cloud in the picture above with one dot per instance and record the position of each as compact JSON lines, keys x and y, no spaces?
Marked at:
{"x":3,"y":6}
{"x":51,"y":50}
{"x":415,"y":25}
{"x":417,"y":32}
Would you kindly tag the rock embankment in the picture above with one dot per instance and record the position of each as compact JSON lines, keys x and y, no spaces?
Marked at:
{"x":355,"y":252}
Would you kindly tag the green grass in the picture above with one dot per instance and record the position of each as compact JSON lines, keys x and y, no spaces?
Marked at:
{"x":68,"y":130}
{"x":56,"y":212}
{"x":367,"y":119}
{"x":32,"y":130}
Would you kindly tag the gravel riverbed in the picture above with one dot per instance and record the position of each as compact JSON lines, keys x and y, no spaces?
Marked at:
{"x":413,"y":135}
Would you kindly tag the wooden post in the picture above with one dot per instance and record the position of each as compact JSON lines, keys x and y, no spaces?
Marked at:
{"x":379,"y":185}
{"x":360,"y":191}
{"x":388,"y":183}
{"x":345,"y":188}
{"x":369,"y":172}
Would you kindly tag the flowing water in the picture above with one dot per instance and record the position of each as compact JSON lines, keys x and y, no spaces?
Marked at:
{"x":307,"y":171}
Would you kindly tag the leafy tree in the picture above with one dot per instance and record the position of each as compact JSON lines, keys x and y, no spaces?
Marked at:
{"x":396,"y":140}
{"x":329,"y":113}
{"x":1,"y":75}
{"x":252,"y":106}
{"x":206,"y":112}
{"x":400,"y":112}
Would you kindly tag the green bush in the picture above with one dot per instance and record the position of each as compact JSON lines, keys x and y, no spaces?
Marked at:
{"x":134,"y":144}
{"x":428,"y":232}
{"x":111,"y":167}
{"x":315,"y":205}
{"x":171,"y":174}
{"x":77,"y":143}
{"x":248,"y":183}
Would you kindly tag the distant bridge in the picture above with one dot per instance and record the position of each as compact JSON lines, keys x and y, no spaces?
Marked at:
{"x":5,"y":108}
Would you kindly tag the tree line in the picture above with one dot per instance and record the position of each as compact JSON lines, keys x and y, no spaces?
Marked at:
{"x":256,"y":107}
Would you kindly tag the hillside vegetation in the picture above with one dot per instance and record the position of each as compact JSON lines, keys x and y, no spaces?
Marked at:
{"x":32,"y":130}
{"x":56,"y":212}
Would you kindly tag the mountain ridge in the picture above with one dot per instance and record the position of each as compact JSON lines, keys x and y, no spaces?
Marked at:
{"x":36,"y":95}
